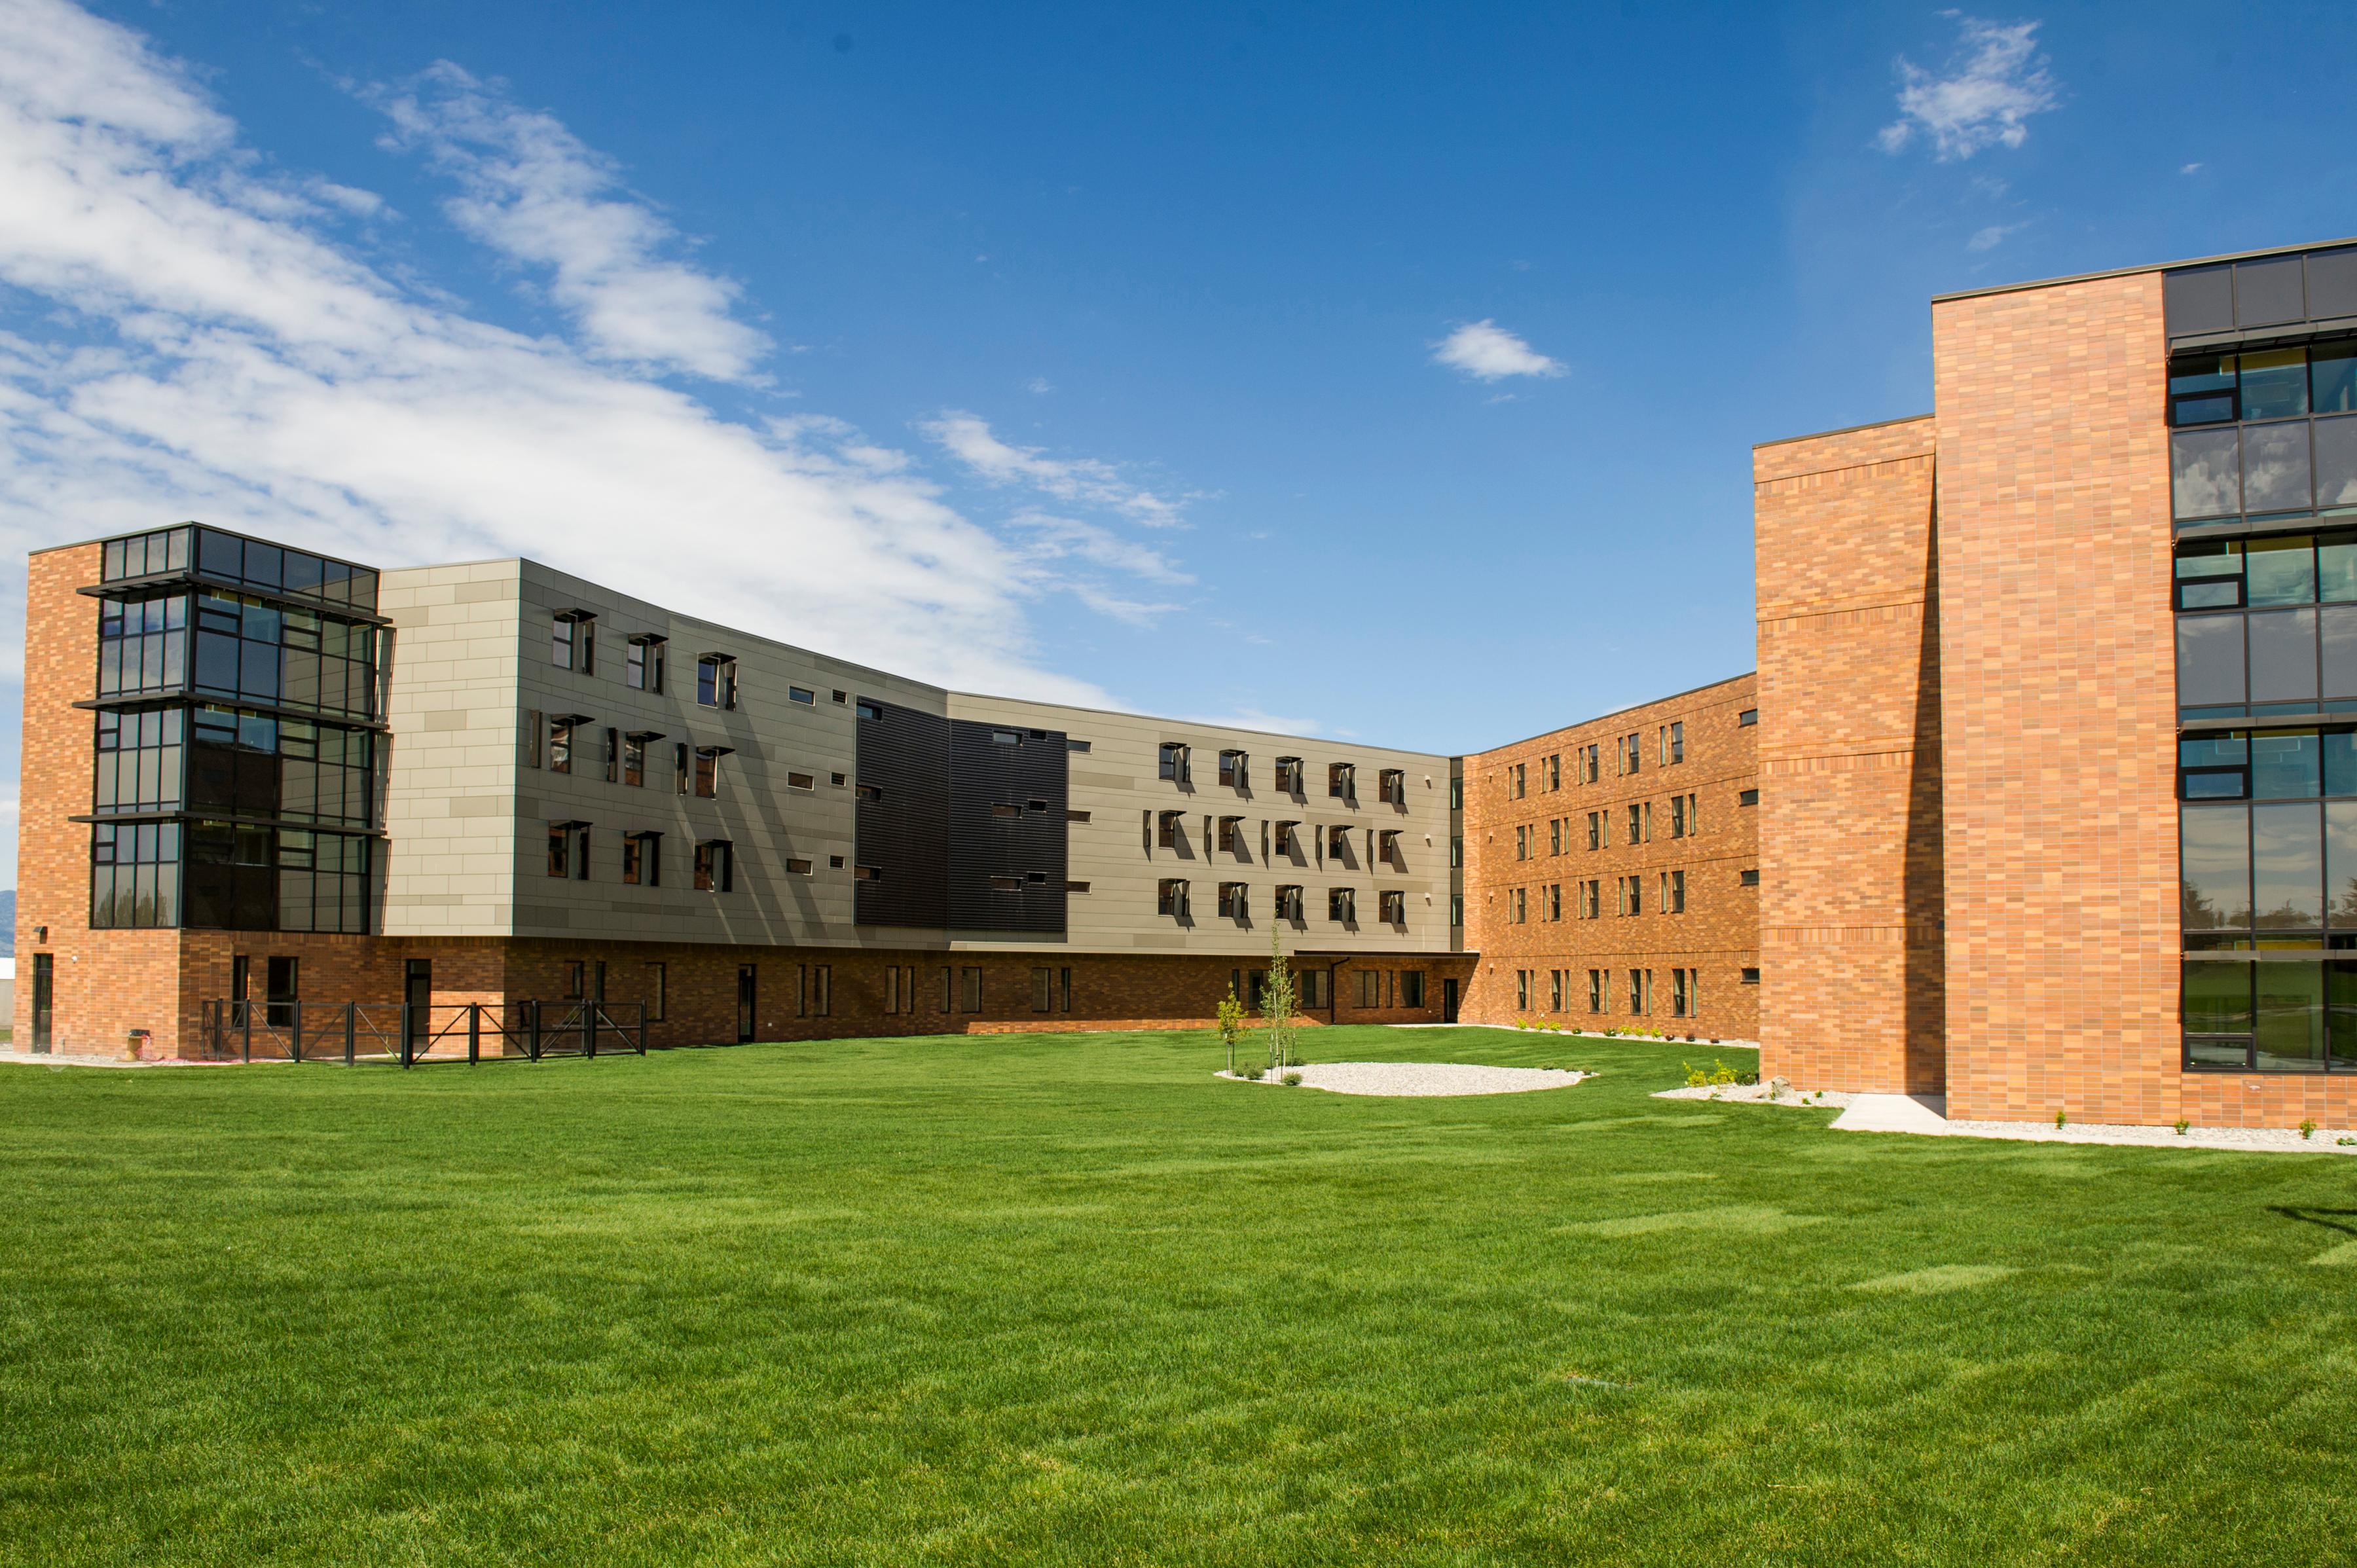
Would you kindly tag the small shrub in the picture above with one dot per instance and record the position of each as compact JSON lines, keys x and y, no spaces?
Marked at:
{"x":2307,"y":1129}
{"x":2181,"y":1125}
{"x":1291,"y":1080}
{"x":2061,"y":1118}
{"x":1521,"y":1023}
{"x":1695,"y":1077}
{"x":2346,"y":1143}
{"x":1721,"y":1073}
{"x":1256,"y":1073}
{"x":1747,"y":1078}
{"x":1610,"y":1032}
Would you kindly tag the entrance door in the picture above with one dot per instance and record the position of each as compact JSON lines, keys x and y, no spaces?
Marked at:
{"x":417,"y":990}
{"x":280,"y":977}
{"x":1448,"y":1001}
{"x":44,"y":983}
{"x":745,"y":1001}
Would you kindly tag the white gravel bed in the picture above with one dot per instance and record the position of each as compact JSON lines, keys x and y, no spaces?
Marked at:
{"x":1421,"y":1078}
{"x":1698,"y":1043}
{"x":1757,"y":1094}
{"x":2250,"y":1140}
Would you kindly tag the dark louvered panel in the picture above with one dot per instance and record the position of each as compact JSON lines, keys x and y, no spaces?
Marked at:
{"x":904,"y":812}
{"x":1006,"y":836}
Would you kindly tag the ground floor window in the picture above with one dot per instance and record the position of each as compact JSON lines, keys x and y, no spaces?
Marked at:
{"x":1051,"y":990}
{"x":1411,"y":988}
{"x":2265,"y":1012}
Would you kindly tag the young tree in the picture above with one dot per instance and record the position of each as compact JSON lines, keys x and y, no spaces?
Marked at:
{"x":1231,"y":1023}
{"x":1276,"y":1007}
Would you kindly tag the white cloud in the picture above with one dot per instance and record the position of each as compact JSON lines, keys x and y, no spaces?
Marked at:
{"x":969,"y":439}
{"x":532,"y":191}
{"x":1995,"y":83}
{"x":189,"y":343}
{"x":1990,"y":238}
{"x":2190,"y":168}
{"x":1488,"y":352}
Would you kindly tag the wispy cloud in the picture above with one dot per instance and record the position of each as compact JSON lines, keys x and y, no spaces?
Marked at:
{"x":1991,"y":87}
{"x":968,"y":438}
{"x":1488,"y":352}
{"x":529,"y":189}
{"x":1990,"y":238}
{"x":183,"y":334}
{"x":2190,"y":168}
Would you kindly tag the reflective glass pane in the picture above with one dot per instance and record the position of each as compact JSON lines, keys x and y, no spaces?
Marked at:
{"x":2337,"y":639}
{"x":2340,"y":763}
{"x":2201,"y":389}
{"x":2214,"y":859}
{"x":2274,"y":383}
{"x":2283,"y":656}
{"x":2209,"y":558}
{"x":2285,"y":766}
{"x":2217,"y":996}
{"x":2214,"y":751}
{"x":2282,"y":570}
{"x":2336,"y":462}
{"x":2340,"y":862}
{"x":2287,"y":867}
{"x":2336,"y":567}
{"x":2332,"y":378}
{"x":2275,"y":468}
{"x":2205,"y":472}
{"x":2210,"y":660}
{"x":2290,"y":1022}
{"x":2340,"y":1024}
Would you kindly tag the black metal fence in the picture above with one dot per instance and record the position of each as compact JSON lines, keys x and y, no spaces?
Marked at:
{"x":413,"y":1034}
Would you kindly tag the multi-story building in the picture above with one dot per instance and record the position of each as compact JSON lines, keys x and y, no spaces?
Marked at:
{"x":2049,"y":804}
{"x":253,"y":774}
{"x":1612,"y":871}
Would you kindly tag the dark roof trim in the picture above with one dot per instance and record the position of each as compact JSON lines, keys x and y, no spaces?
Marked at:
{"x":2153,"y":267}
{"x":1844,"y":430}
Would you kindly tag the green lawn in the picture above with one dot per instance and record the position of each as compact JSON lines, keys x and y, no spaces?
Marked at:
{"x":1071,"y":1300}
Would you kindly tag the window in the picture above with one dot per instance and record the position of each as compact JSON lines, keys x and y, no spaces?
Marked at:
{"x":1227,"y":834}
{"x":613,"y":755}
{"x":1170,"y":898}
{"x":1636,"y":823}
{"x":1555,"y":990}
{"x":1047,"y":995}
{"x":708,"y":770}
{"x":1632,"y":754}
{"x":970,"y":989}
{"x":643,"y":859}
{"x":1004,"y":737}
{"x":1750,"y":977}
{"x":1309,"y":986}
{"x":1071,"y":816}
{"x":568,"y":850}
{"x":1391,"y":785}
{"x":1552,"y":909}
{"x":799,"y":866}
{"x":1521,"y":989}
{"x":658,"y":992}
{"x":1368,"y":988}
{"x":1748,"y":717}
{"x":716,"y":866}
{"x":1632,"y":895}
{"x":1076,"y":886}
{"x":1288,"y":774}
{"x":560,"y":745}
{"x":1551,"y":772}
{"x":1070,"y":745}
{"x":634,"y":757}
{"x":1599,"y":990}
{"x":1341,"y":781}
{"x":1748,"y":798}
{"x":1750,"y":880}
{"x":716,"y":681}
{"x":1288,"y":903}
{"x":1597,"y":830}
{"x":1456,"y":910}
{"x":1681,"y":998}
{"x":1173,"y":761}
{"x":822,"y":990}
{"x":1166,"y":829}
{"x":801,"y":781}
{"x":1392,"y":906}
{"x":1515,"y":781}
{"x":1456,"y":850}
{"x":1594,"y":898}
{"x":1387,"y":849}
{"x":1006,"y":884}
{"x":1411,"y":988}
{"x":864,"y":873}
{"x":1521,"y":843}
{"x":1594,"y":755}
{"x":643,"y":666}
{"x":1341,"y":905}
{"x":575,"y":980}
{"x":575,"y":644}
{"x":802,"y":694}
{"x":1640,"y":992}
{"x":1677,"y":743}
{"x":1677,"y":816}
{"x":834,"y":862}
{"x":867,"y":710}
{"x":1554,"y":836}
{"x":1516,"y":908}
{"x":1236,"y":769}
{"x":1456,"y":794}
{"x":679,"y":761}
{"x":1338,"y":843}
{"x":1673,"y":892}
{"x":1235,"y":900}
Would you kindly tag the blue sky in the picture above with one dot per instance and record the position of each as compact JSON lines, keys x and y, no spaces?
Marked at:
{"x":1388,"y":371}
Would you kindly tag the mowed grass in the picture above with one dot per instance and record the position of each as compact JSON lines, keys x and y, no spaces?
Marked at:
{"x":1071,"y":1300}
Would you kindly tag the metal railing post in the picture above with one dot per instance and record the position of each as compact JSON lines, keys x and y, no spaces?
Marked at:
{"x":474,"y":1033}
{"x":298,"y":1017}
{"x":532,"y":1031}
{"x":245,"y":1014}
{"x":589,"y":1028}
{"x":405,"y":1007}
{"x":348,"y":1041}
{"x":642,"y":1028}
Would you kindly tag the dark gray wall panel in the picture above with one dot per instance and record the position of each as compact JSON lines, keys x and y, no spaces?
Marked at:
{"x":2199,"y":299}
{"x":904,"y":754}
{"x":986,"y":845}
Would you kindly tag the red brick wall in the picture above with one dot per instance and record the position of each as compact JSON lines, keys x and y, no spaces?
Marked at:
{"x":2056,"y":640}
{"x":1849,"y":760}
{"x":1717,"y":934}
